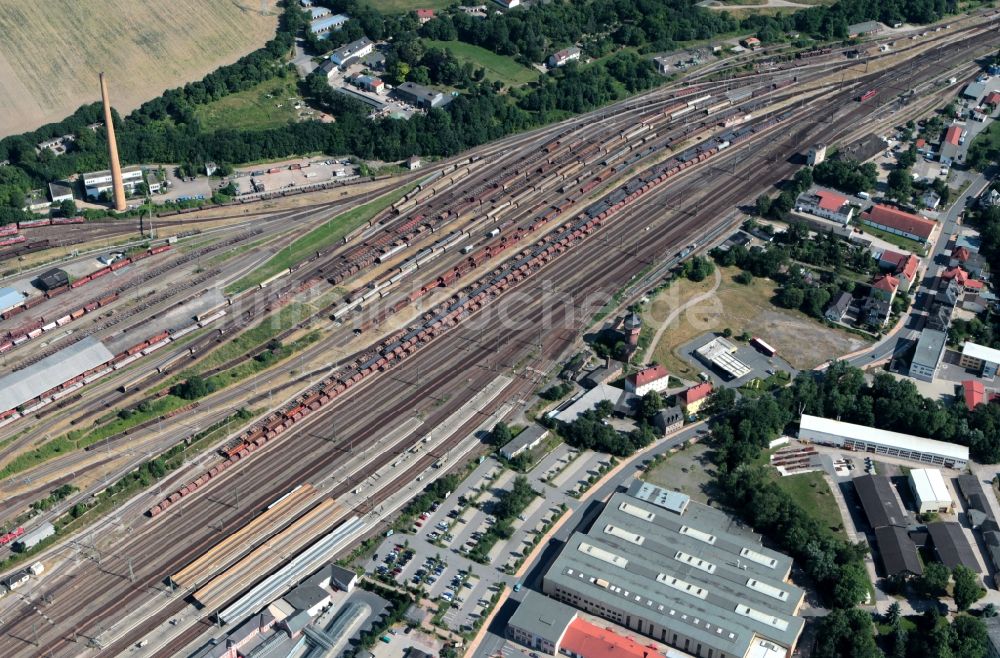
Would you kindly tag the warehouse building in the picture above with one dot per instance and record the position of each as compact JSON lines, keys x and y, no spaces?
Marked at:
{"x":879,"y":501}
{"x":721,"y":354}
{"x":897,"y":551}
{"x":927,"y":357}
{"x":882,"y":442}
{"x":983,"y":360}
{"x":951,"y":546}
{"x":588,"y":401}
{"x":60,"y":191}
{"x":421,"y":96}
{"x":529,"y":437}
{"x":681,"y":573}
{"x":9,"y":298}
{"x":863,"y":29}
{"x":35,"y":537}
{"x":42,"y":376}
{"x":930,"y":491}
{"x":52,"y":279}
{"x":951,"y":144}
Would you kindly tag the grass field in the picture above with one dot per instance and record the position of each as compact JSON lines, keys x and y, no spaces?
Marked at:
{"x":253,"y":109}
{"x":401,"y":6}
{"x":802,"y":341}
{"x":51,"y":52}
{"x":498,"y":67}
{"x":813,"y":494}
{"x":319,"y":238}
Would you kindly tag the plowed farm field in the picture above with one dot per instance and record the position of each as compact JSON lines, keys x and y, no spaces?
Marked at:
{"x":52,"y":51}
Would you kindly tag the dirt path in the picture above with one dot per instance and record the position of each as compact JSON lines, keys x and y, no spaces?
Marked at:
{"x":676,"y":312}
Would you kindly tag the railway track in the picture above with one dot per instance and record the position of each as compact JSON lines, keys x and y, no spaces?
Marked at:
{"x":586,"y":270}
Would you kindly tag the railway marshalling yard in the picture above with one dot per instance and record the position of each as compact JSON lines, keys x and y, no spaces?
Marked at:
{"x":474,"y":274}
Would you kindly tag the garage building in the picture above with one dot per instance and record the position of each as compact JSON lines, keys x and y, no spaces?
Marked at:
{"x":930,"y":491}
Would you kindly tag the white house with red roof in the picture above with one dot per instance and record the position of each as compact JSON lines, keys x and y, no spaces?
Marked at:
{"x":898,"y":222}
{"x":828,"y":205}
{"x":653,"y":378}
{"x":424,"y":15}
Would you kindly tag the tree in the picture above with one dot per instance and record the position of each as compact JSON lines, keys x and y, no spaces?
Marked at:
{"x":651,"y":403}
{"x":934,"y":581}
{"x":744,"y":278}
{"x":791,"y":297}
{"x":846,"y":634}
{"x":892,"y":615}
{"x":969,"y":637}
{"x":900,"y":183}
{"x":989,"y":610}
{"x":763,"y":205}
{"x":967,"y":589}
{"x":500,"y":435}
{"x":67,"y":208}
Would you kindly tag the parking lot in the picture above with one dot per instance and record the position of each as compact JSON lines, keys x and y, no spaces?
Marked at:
{"x":436,"y":556}
{"x":761,"y":366}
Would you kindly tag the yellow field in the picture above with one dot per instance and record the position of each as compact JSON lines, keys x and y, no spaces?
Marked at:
{"x":52,"y":51}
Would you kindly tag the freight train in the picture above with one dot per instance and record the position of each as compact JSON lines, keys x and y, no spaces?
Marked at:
{"x":445,"y":315}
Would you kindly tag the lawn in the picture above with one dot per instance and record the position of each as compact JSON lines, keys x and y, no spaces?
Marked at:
{"x":801,"y":340}
{"x":812,"y":493}
{"x":498,"y":67}
{"x":267,"y":105}
{"x":320,"y":238}
{"x":401,"y":6}
{"x":892,"y":238}
{"x":989,"y":138}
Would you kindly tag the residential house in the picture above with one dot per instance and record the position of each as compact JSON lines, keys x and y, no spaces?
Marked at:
{"x":751,"y":42}
{"x":694,"y":398}
{"x":970,"y":261}
{"x":424,"y":15}
{"x":669,"y":419}
{"x":828,"y":205}
{"x":931,"y":200}
{"x":653,"y":378}
{"x":898,"y":222}
{"x":838,"y":308}
{"x":879,"y":304}
{"x":564,"y":56}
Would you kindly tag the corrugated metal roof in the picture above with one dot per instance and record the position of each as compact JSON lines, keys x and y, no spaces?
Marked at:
{"x":9,"y":297}
{"x":23,"y":385}
{"x":929,"y":486}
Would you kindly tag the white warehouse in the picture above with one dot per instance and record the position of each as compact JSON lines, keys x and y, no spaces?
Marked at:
{"x":882,"y":442}
{"x":930,"y":491}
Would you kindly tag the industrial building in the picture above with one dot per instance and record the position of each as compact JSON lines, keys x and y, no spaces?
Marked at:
{"x":9,"y":298}
{"x":682,"y":573}
{"x":927,"y":358}
{"x":951,"y":547}
{"x":97,"y":182}
{"x":28,"y":383}
{"x":816,"y":154}
{"x":529,"y":437}
{"x":720,"y":353}
{"x":60,"y":191}
{"x":885,"y":514}
{"x":589,"y":400}
{"x":828,"y":205}
{"x":930,"y":491}
{"x":980,"y":515}
{"x":36,"y":536}
{"x":323,"y":23}
{"x":653,"y":378}
{"x":882,"y":442}
{"x":863,"y":29}
{"x":421,"y":96}
{"x":980,"y":359}
{"x":52,"y":279}
{"x":352,"y":51}
{"x":540,"y":623}
{"x":897,"y":222}
{"x":951,"y":143}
